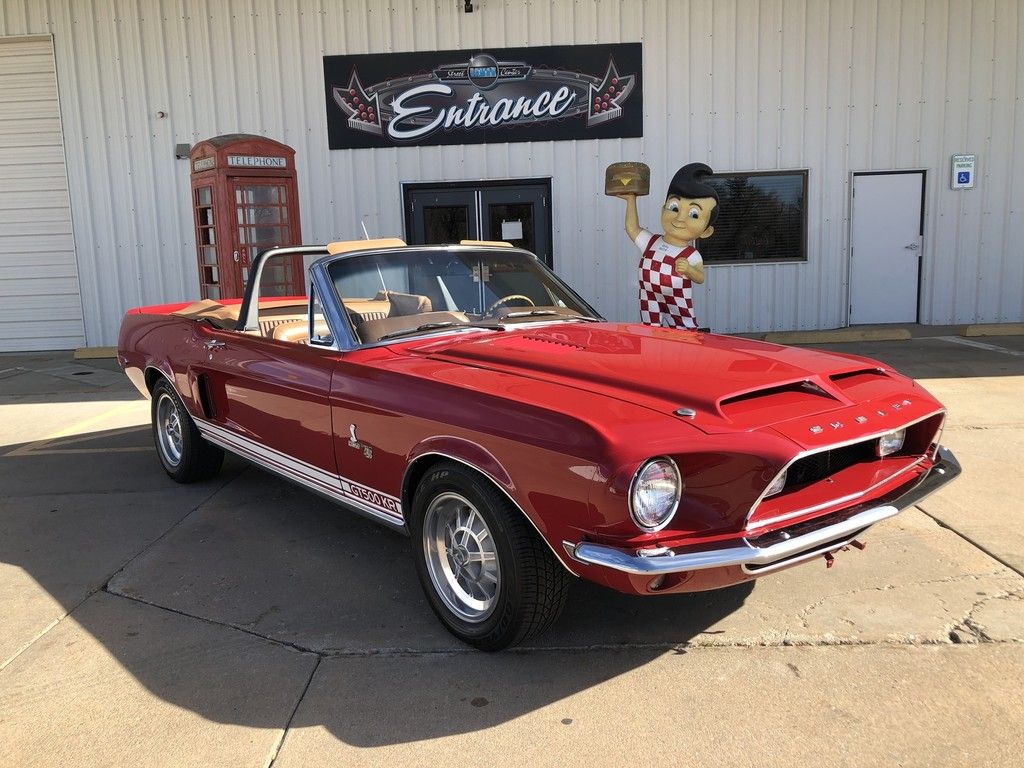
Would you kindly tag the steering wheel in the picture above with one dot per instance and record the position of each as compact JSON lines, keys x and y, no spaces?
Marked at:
{"x":510,"y":297}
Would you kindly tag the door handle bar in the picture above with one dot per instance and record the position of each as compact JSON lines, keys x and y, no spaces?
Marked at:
{"x":214,"y":344}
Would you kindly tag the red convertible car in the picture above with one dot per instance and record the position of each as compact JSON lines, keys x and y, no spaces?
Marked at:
{"x":466,"y":396}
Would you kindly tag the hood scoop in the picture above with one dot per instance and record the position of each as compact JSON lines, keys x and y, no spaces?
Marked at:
{"x":781,"y":402}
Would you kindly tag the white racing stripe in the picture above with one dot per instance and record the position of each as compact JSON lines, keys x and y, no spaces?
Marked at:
{"x":370,"y":500}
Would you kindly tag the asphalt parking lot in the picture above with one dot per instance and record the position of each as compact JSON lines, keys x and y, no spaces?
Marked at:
{"x":246,"y":622}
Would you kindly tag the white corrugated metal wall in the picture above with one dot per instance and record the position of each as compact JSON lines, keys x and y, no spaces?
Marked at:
{"x":40,"y":307}
{"x":831,"y":85}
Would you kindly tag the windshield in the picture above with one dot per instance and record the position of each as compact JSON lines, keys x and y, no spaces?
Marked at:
{"x":412,"y":292}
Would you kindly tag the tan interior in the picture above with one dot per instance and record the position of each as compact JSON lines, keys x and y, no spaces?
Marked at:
{"x":297,"y":331}
{"x":387,"y":312}
{"x":374,"y":330}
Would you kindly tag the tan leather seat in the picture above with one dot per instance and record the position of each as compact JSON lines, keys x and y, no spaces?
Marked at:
{"x":367,"y":309}
{"x":297,"y":331}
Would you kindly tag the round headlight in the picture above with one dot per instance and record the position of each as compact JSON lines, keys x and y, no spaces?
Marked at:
{"x":654,"y":494}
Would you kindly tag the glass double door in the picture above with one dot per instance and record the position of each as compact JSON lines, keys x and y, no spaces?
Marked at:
{"x":515,"y":213}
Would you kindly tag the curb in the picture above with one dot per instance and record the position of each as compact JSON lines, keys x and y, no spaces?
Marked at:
{"x":994,"y":329}
{"x":838,"y":335}
{"x":95,"y":353}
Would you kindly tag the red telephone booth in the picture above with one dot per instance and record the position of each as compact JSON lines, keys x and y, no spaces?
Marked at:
{"x":245,"y":200}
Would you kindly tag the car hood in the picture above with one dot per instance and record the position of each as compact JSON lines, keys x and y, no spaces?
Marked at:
{"x":729,"y":383}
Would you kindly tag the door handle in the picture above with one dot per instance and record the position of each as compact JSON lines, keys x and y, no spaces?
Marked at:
{"x":911,"y":247}
{"x":214,"y":344}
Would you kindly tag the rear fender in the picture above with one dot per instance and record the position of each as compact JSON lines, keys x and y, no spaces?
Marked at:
{"x":184,"y":383}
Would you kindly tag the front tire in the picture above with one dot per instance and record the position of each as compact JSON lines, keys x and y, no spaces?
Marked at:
{"x":185,"y":455}
{"x":487,"y":574}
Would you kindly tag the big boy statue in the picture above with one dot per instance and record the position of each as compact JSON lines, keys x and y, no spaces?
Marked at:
{"x":670,"y":264}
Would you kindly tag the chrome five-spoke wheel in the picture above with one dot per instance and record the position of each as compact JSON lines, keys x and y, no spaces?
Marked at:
{"x":185,"y":455}
{"x":168,"y":427}
{"x":461,"y":557}
{"x":486,"y":572}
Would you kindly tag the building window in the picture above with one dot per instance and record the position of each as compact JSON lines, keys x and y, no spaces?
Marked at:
{"x":763,"y":218}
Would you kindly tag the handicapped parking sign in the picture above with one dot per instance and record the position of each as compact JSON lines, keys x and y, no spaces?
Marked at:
{"x":962,"y":172}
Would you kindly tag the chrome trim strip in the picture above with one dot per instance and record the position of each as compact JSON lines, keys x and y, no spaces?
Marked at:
{"x":802,"y":557}
{"x":743,"y":553}
{"x":945,"y":470}
{"x":830,"y":447}
{"x":840,"y":500}
{"x":497,"y":485}
{"x":335,"y":487}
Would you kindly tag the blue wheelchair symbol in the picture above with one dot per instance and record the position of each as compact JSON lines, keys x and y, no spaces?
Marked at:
{"x":963,"y":177}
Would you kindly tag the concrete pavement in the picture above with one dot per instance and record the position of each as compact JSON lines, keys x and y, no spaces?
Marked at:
{"x":245,"y":622}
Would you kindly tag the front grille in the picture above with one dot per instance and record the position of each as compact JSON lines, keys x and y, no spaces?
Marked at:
{"x":818,"y":466}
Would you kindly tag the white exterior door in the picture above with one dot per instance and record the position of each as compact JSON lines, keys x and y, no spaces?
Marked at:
{"x":40,"y":305}
{"x":885,"y":247}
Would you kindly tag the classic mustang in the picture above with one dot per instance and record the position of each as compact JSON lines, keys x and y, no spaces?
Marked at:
{"x":468,"y":397}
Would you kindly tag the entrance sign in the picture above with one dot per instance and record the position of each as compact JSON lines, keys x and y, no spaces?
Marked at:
{"x":963,"y":168}
{"x":549,"y":93}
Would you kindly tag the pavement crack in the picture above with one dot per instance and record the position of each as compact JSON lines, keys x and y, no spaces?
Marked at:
{"x":204,"y":619}
{"x":968,"y":630}
{"x":220,"y":487}
{"x":804,"y":612}
{"x":973,"y":542}
{"x":106,"y":583}
{"x":279,"y":743}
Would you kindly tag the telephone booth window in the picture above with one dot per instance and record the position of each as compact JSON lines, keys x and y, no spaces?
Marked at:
{"x":206,"y":239}
{"x":261,"y":212}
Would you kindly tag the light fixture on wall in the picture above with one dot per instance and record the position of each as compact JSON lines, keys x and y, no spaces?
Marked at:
{"x":468,"y":6}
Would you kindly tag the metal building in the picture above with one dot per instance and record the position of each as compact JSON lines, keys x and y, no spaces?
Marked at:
{"x":95,"y":212}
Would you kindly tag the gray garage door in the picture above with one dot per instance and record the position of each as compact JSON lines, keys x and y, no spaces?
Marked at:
{"x":40,"y":305}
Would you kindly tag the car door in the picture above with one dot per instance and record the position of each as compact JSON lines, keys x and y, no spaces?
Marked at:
{"x":268,"y":400}
{"x":371,"y":441}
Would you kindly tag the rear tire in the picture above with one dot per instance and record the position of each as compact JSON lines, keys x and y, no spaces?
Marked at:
{"x":487,"y":574}
{"x":185,"y":455}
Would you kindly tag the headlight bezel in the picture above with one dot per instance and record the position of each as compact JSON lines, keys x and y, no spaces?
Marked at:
{"x":680,"y":485}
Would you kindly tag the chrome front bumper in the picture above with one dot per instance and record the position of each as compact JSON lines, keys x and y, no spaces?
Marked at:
{"x":764,"y":559}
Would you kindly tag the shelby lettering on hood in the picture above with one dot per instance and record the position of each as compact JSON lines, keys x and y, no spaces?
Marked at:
{"x":521,"y":94}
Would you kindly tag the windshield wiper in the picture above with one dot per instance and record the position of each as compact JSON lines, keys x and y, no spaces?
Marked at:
{"x":550,"y":313}
{"x":437,"y":326}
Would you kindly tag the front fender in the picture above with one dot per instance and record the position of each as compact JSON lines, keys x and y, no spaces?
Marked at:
{"x":461,"y":449}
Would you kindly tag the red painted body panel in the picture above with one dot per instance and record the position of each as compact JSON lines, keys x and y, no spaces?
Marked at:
{"x":560,"y":417}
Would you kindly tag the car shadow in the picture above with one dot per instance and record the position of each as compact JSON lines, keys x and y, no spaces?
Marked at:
{"x":210,"y":595}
